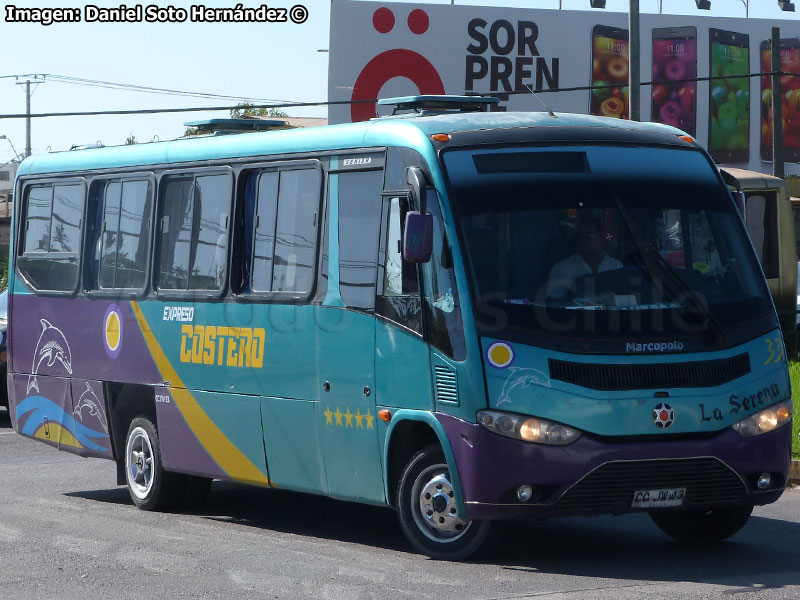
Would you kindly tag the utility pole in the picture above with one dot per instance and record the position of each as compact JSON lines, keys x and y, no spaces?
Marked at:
{"x":635,"y":66}
{"x":37,"y":79}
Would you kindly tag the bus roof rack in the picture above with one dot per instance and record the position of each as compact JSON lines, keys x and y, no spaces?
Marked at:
{"x":236,"y":125}
{"x":440,"y":103}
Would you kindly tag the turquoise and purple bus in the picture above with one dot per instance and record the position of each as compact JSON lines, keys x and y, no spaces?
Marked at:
{"x":461,"y":314}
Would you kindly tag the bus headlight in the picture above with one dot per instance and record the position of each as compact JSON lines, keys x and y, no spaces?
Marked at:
{"x":529,"y":429}
{"x":765,"y":420}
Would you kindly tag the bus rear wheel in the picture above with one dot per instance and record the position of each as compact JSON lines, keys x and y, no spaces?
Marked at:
{"x":427,"y":510}
{"x":711,"y":525}
{"x":150,"y":487}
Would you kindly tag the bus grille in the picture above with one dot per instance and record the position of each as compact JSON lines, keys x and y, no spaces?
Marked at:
{"x":706,"y":373}
{"x":610,"y":487}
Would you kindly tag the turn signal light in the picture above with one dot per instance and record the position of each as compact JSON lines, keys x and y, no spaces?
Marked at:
{"x":385,"y":415}
{"x":686,"y":138}
{"x":441,"y":137}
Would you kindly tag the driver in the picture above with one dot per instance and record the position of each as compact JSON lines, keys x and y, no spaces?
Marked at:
{"x":590,"y":258}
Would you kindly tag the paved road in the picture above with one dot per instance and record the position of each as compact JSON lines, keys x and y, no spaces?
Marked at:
{"x":66,"y":531}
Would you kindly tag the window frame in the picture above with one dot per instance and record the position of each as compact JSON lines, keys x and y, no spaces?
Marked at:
{"x":92,"y":288}
{"x":19,"y":243}
{"x":258,"y":168}
{"x":156,"y":233}
{"x":383,"y":246}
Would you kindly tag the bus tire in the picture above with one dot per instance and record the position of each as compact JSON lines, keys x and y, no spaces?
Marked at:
{"x":711,"y":525}
{"x":150,"y":487}
{"x":427,"y":510}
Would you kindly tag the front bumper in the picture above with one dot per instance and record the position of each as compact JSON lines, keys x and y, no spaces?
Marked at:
{"x":593,"y":476}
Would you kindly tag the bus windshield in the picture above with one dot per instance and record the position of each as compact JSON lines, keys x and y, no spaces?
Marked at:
{"x":603,"y":242}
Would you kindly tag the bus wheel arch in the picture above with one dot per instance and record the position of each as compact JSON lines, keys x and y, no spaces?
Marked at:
{"x":426,"y":507}
{"x":407,"y":438}
{"x":126,"y":401}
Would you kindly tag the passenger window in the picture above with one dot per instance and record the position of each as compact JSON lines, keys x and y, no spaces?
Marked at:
{"x":52,"y":239}
{"x":284,"y":218}
{"x":264,"y":249}
{"x":37,"y":223}
{"x":296,"y":231}
{"x":400,"y":299}
{"x":360,"y":207}
{"x":194,"y":232}
{"x":125,"y":234}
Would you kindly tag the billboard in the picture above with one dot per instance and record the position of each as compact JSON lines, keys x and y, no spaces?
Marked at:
{"x":380,"y":49}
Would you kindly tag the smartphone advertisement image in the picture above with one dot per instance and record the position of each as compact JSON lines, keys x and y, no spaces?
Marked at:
{"x":674,"y":100}
{"x":729,"y":100}
{"x":790,"y":88}
{"x":697,"y":70}
{"x":609,"y":66}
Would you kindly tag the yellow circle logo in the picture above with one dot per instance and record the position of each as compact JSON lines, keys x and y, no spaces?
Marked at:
{"x":112,"y":331}
{"x":500,"y":355}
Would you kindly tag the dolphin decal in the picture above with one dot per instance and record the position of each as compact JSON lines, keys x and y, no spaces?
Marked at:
{"x":89,"y":404}
{"x":521,"y":377}
{"x":51,"y":347}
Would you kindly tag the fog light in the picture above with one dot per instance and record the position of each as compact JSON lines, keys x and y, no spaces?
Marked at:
{"x":763,"y":482}
{"x":524,"y":493}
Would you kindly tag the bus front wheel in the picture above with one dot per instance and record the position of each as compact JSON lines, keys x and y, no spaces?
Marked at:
{"x":710,"y":525}
{"x":427,"y":509}
{"x":150,"y":487}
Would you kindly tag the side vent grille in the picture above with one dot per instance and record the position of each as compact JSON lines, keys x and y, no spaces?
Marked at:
{"x":446,"y":385}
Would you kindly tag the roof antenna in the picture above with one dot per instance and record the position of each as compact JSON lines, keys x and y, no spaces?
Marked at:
{"x":535,"y":95}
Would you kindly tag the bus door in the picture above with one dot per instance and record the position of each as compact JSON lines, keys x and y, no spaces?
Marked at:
{"x":346,"y":325}
{"x":402,"y":360}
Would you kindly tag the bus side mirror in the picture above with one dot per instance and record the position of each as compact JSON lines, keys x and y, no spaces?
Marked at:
{"x":418,"y":237}
{"x":738,"y":200}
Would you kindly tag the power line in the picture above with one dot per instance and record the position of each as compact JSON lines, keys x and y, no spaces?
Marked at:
{"x":150,"y":111}
{"x":152,"y":90}
{"x":146,"y":111}
{"x":137,"y":88}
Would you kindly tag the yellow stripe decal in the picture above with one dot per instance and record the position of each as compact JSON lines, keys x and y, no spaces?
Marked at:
{"x":235,"y":464}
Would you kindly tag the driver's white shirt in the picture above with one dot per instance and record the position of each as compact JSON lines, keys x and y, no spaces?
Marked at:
{"x":565,"y":272}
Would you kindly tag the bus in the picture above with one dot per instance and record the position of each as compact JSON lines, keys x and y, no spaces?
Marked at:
{"x":465,"y":315}
{"x":769,"y":217}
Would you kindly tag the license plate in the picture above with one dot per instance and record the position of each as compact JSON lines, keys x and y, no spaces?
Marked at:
{"x":658,"y":498}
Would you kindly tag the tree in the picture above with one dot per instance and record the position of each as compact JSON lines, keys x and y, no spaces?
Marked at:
{"x":130,"y":140}
{"x":245,"y":109}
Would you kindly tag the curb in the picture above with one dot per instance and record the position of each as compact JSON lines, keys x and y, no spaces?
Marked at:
{"x":794,"y":473}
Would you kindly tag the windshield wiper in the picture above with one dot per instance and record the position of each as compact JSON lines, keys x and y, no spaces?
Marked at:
{"x":656,"y":262}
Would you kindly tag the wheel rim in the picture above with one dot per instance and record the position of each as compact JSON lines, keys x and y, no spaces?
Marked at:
{"x":139,"y":463}
{"x":434,"y":507}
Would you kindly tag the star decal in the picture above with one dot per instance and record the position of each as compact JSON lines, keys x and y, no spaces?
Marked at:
{"x":353,"y":420}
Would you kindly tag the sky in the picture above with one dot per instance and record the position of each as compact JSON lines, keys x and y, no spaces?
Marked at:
{"x":263,"y":62}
